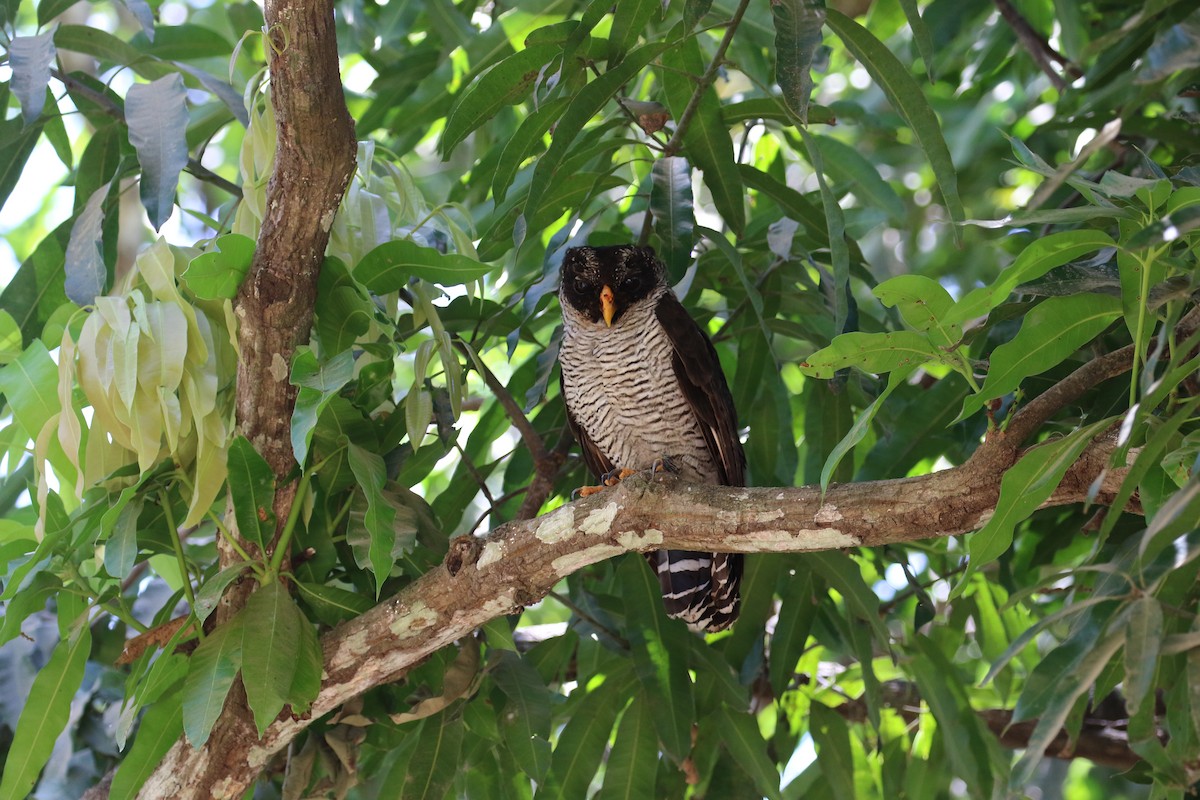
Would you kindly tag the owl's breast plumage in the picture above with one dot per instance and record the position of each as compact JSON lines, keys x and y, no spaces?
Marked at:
{"x":620,"y":386}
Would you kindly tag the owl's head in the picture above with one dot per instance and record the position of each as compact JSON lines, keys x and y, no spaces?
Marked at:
{"x":601,"y":283}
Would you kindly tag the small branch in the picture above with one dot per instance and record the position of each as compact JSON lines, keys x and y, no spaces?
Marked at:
{"x":529,"y":435}
{"x":1098,"y":739}
{"x":685,"y":120}
{"x":545,"y":471}
{"x":1039,"y":49}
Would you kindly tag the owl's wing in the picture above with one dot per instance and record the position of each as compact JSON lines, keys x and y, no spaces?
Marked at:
{"x":596,"y":461}
{"x":698,"y":371}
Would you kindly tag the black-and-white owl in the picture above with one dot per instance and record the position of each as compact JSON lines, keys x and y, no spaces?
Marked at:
{"x":641,"y":382}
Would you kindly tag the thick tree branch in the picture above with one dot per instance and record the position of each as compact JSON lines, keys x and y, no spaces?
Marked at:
{"x":313,"y":164}
{"x":520,"y":562}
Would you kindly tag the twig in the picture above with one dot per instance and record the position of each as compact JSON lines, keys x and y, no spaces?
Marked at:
{"x":529,"y":435}
{"x":567,"y":603}
{"x":685,"y":120}
{"x":546,"y":470}
{"x":1039,"y":49}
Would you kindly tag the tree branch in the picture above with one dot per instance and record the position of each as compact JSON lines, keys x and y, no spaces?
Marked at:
{"x":1039,"y":49}
{"x":520,"y":562}
{"x":313,"y":165}
{"x":1099,"y":740}
{"x":685,"y":119}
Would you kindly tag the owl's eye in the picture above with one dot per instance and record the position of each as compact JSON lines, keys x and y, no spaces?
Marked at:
{"x":582,"y":286}
{"x":632,"y":284}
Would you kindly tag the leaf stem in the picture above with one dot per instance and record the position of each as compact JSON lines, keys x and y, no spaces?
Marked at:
{"x":177,"y":544}
{"x":289,"y":527}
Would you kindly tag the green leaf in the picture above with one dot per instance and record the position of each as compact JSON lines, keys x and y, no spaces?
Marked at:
{"x":1143,"y":640}
{"x":584,"y":738}
{"x":10,"y":338}
{"x":672,"y":209}
{"x":795,"y":205}
{"x":531,"y":132}
{"x":217,"y":274}
{"x":160,"y":727}
{"x":853,"y":171}
{"x":37,"y":290}
{"x":906,"y":97}
{"x":633,"y":760}
{"x":920,"y":34}
{"x":319,"y":383}
{"x":29,"y":600}
{"x":862,"y":425}
{"x":835,"y":223}
{"x":525,"y":720}
{"x":46,"y":712}
{"x":30,"y":384}
{"x":873,"y":352}
{"x":1050,"y":333}
{"x":832,"y":739}
{"x":157,"y":116}
{"x":798,"y":25}
{"x":845,"y":577}
{"x":370,"y":474}
{"x":183,"y":42}
{"x":208,"y":596}
{"x":1076,"y":680}
{"x":389,"y":267}
{"x":1041,"y":256}
{"x":631,"y":18}
{"x":706,"y":141}
{"x":797,"y":612}
{"x":742,"y":739}
{"x":252,"y":487}
{"x":587,"y":103}
{"x":507,"y":83}
{"x":121,"y":549}
{"x":923,"y":302}
{"x":659,"y":656}
{"x":306,"y":683}
{"x":270,"y":650}
{"x":969,"y":746}
{"x":16,"y":144}
{"x":1023,"y":489}
{"x":435,"y":760}
{"x":332,"y":605}
{"x":213,"y":666}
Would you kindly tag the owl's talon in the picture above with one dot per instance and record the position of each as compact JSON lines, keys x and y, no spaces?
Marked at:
{"x":665,"y":464}
{"x":586,"y":491}
{"x":616,"y":476}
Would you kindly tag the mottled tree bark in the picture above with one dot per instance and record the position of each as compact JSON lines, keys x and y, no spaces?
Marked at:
{"x":314,"y":161}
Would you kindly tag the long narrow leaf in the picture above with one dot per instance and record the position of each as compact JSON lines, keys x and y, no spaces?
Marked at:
{"x":906,"y":96}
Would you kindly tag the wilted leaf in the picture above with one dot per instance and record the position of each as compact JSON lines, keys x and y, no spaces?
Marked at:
{"x":157,"y":116}
{"x":30,"y":58}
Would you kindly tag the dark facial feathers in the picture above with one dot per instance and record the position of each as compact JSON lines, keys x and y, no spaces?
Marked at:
{"x":630,"y":272}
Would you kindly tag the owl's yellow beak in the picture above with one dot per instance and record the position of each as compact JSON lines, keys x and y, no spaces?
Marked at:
{"x":608,"y":306}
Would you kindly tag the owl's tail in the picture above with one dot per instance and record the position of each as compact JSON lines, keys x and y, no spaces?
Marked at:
{"x":702,"y":589}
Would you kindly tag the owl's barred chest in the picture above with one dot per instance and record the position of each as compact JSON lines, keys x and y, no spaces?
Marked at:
{"x":621,"y":388}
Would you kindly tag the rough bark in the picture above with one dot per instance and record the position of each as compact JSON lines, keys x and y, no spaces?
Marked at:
{"x":314,"y":161}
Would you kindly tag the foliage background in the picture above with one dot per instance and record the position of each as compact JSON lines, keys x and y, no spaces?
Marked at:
{"x":950,"y":158}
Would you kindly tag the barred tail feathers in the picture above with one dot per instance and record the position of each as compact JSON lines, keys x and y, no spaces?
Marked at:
{"x":702,"y":589}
